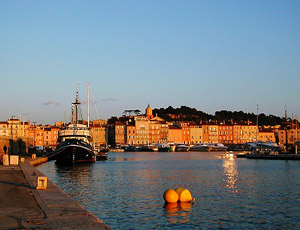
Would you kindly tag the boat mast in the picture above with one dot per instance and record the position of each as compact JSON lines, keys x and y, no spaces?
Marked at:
{"x":76,"y":103}
{"x":88,"y":104}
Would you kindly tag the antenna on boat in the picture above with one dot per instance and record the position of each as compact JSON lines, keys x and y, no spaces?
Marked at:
{"x":88,"y":104}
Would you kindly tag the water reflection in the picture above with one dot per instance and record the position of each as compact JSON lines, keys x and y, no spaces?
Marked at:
{"x":231,"y":173}
{"x":178,"y":212}
{"x":74,"y":178}
{"x":127,"y":194}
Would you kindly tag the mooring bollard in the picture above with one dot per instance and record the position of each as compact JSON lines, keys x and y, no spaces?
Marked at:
{"x":41,"y":182}
{"x":14,"y":160}
{"x":22,"y":160}
{"x":5,"y":159}
{"x":33,"y":156}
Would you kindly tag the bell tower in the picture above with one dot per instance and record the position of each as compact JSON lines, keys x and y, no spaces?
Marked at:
{"x":148,"y":112}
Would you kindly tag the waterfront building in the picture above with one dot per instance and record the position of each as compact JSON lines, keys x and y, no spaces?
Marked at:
{"x":36,"y":133}
{"x":185,"y":129}
{"x":131,"y":131}
{"x":99,"y":134}
{"x":288,"y":135}
{"x":142,"y":126}
{"x":226,"y":134}
{"x":175,"y":134}
{"x":249,"y":133}
{"x":4,"y":129}
{"x":50,"y":136}
{"x":120,"y":133}
{"x":205,"y":133}
{"x":266,"y":135}
{"x":213,"y":133}
{"x":195,"y":133}
{"x":154,"y":131}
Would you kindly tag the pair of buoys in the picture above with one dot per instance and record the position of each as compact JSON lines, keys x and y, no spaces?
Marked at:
{"x":178,"y":195}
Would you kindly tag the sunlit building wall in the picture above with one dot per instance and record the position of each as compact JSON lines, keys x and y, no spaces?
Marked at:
{"x":195,"y":133}
{"x":142,"y":126}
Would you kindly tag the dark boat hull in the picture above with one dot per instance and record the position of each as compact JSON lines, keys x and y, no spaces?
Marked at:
{"x":74,"y":152}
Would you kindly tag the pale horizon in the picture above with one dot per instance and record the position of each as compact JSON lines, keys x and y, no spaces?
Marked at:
{"x":208,"y":55}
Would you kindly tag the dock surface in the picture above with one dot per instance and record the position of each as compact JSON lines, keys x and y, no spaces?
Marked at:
{"x":22,"y":206}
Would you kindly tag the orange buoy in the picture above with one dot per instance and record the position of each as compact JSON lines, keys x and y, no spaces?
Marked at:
{"x":170,"y":196}
{"x":184,"y":195}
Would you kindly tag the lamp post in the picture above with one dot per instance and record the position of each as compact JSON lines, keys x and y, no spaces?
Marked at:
{"x":34,"y":133}
{"x":257,"y":122}
{"x":12,"y":134}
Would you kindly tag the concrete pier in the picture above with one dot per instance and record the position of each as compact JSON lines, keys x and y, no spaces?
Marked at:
{"x":22,"y":206}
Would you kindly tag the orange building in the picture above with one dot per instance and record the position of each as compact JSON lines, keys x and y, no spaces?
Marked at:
{"x":185,"y":128}
{"x":50,"y":136}
{"x":120,"y":133}
{"x":289,"y":136}
{"x":226,"y":134}
{"x":175,"y":134}
{"x":131,"y":140}
{"x":154,"y":131}
{"x":205,"y":133}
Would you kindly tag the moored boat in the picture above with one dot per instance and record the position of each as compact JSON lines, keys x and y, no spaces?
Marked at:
{"x":201,"y":147}
{"x":182,"y":148}
{"x":218,"y":147}
{"x":74,"y":141}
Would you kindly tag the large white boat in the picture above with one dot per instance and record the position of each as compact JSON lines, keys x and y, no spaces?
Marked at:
{"x":201,"y":147}
{"x":217,"y":147}
{"x":75,"y":140}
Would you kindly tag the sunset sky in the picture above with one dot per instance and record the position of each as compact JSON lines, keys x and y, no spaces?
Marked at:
{"x":209,"y":55}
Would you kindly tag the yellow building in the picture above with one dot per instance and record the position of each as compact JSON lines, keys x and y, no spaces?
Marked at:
{"x":213,"y":133}
{"x":289,"y":136}
{"x":195,"y":133}
{"x":142,"y":126}
{"x":248,"y":133}
{"x":265,"y":135}
{"x":99,"y":134}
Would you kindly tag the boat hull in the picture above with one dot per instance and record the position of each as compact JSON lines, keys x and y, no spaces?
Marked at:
{"x":182,"y":149}
{"x":200,"y":149}
{"x":74,"y":153}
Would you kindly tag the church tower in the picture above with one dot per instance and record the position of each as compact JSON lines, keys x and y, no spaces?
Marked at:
{"x":148,"y":112}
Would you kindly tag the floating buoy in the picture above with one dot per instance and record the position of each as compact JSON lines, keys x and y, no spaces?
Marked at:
{"x":184,"y":195}
{"x":171,"y":196}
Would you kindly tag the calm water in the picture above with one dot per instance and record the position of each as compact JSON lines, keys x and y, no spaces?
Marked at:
{"x":126,"y":191}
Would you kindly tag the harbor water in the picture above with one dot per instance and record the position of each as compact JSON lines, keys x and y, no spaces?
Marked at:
{"x":126,"y":191}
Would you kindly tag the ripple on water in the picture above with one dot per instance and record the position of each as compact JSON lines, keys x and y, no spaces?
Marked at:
{"x":126,"y":191}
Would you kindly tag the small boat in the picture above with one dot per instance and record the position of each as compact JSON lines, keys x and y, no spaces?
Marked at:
{"x":202,"y":147}
{"x":182,"y":148}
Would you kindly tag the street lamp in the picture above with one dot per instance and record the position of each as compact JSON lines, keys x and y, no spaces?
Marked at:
{"x":34,"y":133}
{"x":12,"y":134}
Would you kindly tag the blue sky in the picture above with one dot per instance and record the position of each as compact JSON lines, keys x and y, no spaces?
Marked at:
{"x":209,"y":55}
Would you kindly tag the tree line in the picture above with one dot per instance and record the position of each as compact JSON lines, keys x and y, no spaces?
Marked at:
{"x":185,"y":113}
